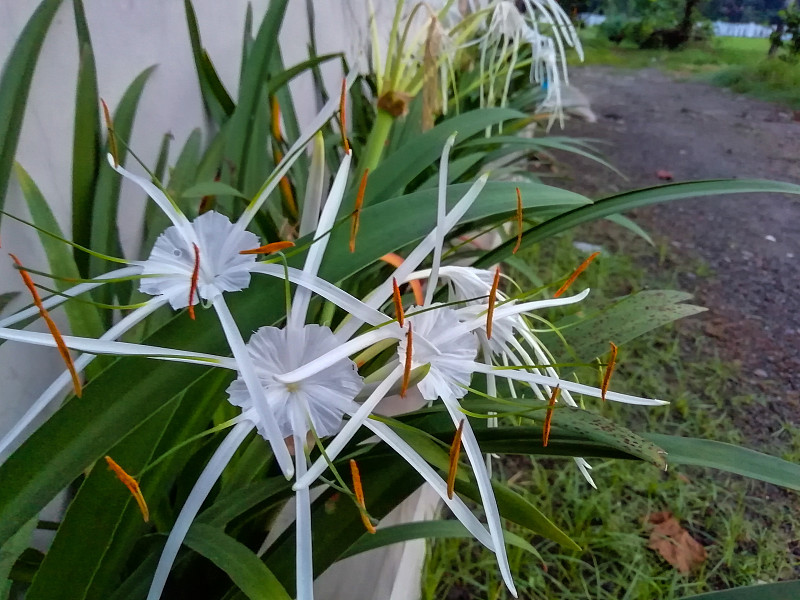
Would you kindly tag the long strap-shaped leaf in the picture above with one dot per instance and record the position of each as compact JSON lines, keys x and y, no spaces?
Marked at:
{"x":730,"y":458}
{"x":15,"y":83}
{"x":784,"y":590}
{"x":628,"y":200}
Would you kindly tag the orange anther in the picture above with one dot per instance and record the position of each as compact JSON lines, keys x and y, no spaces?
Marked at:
{"x":398,"y":303}
{"x":396,"y":260}
{"x":549,"y":416}
{"x":112,"y":140}
{"x":407,"y":368}
{"x":575,"y":274}
{"x":357,"y":212}
{"x":60,"y":344}
{"x":275,"y":110}
{"x":359,"y":491}
{"x":455,"y":452}
{"x":132,"y":486}
{"x":343,"y":116}
{"x":492,"y":301}
{"x":612,"y":362}
{"x":269,"y":248}
{"x":195,"y":275}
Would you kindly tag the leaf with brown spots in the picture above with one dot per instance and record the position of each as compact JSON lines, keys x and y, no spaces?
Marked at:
{"x":674,"y":543}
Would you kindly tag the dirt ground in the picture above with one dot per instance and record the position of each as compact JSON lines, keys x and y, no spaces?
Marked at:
{"x":653,"y":122}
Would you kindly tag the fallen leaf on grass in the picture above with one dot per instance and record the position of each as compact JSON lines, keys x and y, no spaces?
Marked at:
{"x":674,"y":543}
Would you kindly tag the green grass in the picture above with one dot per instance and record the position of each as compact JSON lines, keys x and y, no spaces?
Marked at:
{"x":738,"y":63}
{"x":746,"y":532}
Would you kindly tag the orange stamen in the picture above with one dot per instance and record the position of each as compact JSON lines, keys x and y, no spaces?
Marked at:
{"x":492,"y":301}
{"x":357,"y":212}
{"x":60,"y":344}
{"x":269,"y":248}
{"x":407,"y":369}
{"x":359,"y":491}
{"x":416,"y":287}
{"x":275,"y":109}
{"x":398,"y":303}
{"x":195,"y":275}
{"x":455,"y":452}
{"x":286,"y":192}
{"x":575,"y":274}
{"x":132,"y":486}
{"x":612,"y":362}
{"x":549,"y":416}
{"x":112,"y":139}
{"x":343,"y":116}
{"x":519,"y":222}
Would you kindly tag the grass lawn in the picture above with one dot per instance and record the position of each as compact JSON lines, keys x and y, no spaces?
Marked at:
{"x":746,"y":529}
{"x":738,"y":63}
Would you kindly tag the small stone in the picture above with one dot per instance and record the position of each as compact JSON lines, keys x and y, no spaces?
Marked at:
{"x":760,"y":373}
{"x":770,"y":238}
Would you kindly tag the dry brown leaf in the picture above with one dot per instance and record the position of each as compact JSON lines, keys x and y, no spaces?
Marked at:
{"x":674,"y":543}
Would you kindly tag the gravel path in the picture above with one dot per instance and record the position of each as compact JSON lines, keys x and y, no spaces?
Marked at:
{"x":752,"y":243}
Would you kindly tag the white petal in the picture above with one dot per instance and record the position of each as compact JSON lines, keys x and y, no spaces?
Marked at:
{"x":205,"y":482}
{"x":475,"y":456}
{"x":335,"y":446}
{"x":56,"y":388}
{"x":62,"y":297}
{"x":441,"y":208}
{"x":304,"y":567}
{"x":248,"y":373}
{"x":455,"y":504}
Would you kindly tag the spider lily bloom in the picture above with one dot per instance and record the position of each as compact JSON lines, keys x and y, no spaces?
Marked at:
{"x":318,"y":401}
{"x":499,"y":48}
{"x":190,"y":261}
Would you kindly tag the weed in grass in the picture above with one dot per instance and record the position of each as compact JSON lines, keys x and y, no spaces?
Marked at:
{"x":747,"y":527}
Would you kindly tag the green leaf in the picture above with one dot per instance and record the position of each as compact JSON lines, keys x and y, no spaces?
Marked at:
{"x":84,"y":319}
{"x":730,"y":458}
{"x":620,"y":321}
{"x":5,"y":298}
{"x":239,"y":127}
{"x":102,"y":506}
{"x":211,"y":188}
{"x":631,"y":225}
{"x":216,"y":99}
{"x":628,"y":200}
{"x":15,"y":83}
{"x":240,"y":563}
{"x":85,"y":142}
{"x":784,"y":590}
{"x":11,"y":551}
{"x":431,"y":530}
{"x":399,"y":168}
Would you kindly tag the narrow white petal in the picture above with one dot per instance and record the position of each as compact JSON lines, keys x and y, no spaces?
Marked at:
{"x":62,"y":297}
{"x":350,"y":428}
{"x":455,"y":504}
{"x":164,"y":202}
{"x":327,"y":290}
{"x":304,"y":567}
{"x":292,"y":154}
{"x":205,"y":482}
{"x":475,"y":457}
{"x":317,"y":250}
{"x":584,"y":468}
{"x":64,"y":380}
{"x":343,"y":351}
{"x":413,"y":260}
{"x":578,"y":388}
{"x":116,"y":348}
{"x":248,"y":372}
{"x":441,"y":209}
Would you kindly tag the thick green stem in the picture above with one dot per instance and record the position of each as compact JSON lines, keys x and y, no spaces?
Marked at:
{"x":377,"y":140}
